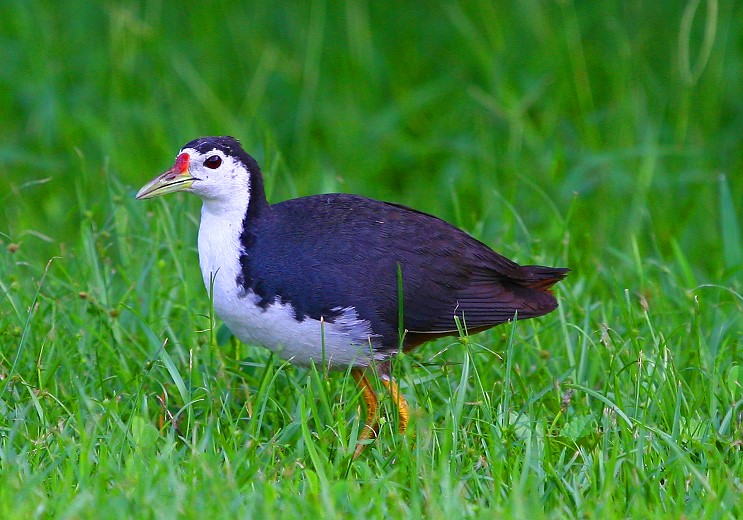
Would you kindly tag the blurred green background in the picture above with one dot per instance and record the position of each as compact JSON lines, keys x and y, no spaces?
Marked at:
{"x":594,"y":127}
{"x":602,"y":136}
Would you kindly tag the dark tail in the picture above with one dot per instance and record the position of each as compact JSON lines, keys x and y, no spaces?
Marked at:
{"x":542,"y":278}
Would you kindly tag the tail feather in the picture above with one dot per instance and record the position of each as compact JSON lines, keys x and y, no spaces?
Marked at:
{"x":542,"y":278}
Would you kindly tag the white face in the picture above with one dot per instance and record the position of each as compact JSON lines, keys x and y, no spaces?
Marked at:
{"x":219,"y":178}
{"x":216,"y":176}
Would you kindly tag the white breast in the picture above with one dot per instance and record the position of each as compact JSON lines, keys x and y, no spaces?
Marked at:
{"x":346,"y":341}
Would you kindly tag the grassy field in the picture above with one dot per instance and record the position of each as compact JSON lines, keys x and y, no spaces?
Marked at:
{"x":602,"y":136}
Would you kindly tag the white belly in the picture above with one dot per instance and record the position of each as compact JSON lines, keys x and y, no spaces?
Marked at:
{"x":346,"y":341}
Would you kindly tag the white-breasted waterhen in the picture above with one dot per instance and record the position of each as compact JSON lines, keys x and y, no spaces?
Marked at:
{"x":318,"y":278}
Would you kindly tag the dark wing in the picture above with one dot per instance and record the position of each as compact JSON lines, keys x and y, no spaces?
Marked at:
{"x":448,"y":273}
{"x":329,"y":252}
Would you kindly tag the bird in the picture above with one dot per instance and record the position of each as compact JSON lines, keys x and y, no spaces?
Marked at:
{"x":341,"y":280}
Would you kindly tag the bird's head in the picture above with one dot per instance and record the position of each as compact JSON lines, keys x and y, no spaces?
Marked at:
{"x":214,"y":168}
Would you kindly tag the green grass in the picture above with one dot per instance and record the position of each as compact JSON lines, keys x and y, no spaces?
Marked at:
{"x":602,"y":136}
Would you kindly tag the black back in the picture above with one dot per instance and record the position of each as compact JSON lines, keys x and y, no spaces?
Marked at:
{"x":327,"y":252}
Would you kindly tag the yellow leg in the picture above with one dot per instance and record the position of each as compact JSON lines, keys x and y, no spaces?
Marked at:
{"x":371,"y":426}
{"x":400,"y":402}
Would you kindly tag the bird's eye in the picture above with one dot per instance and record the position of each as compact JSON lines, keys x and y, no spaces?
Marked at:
{"x":213,"y":162}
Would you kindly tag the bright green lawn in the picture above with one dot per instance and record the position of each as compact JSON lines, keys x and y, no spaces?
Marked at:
{"x":603,"y":136}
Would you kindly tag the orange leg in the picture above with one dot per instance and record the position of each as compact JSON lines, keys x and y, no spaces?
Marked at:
{"x":400,"y":402}
{"x":371,"y":427}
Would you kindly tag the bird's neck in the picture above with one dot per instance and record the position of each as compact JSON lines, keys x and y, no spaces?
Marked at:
{"x":219,"y":243}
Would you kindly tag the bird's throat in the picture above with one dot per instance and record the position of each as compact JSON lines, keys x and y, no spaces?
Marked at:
{"x":220,"y":250}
